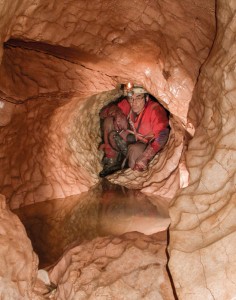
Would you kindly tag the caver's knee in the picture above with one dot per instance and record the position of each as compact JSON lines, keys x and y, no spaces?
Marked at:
{"x":134,"y":152}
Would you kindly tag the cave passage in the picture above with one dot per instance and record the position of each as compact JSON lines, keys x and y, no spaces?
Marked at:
{"x":62,"y":62}
{"x":62,"y":148}
{"x":105,"y":210}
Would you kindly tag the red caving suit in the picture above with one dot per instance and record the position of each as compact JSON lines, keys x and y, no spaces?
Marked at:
{"x":152,"y":123}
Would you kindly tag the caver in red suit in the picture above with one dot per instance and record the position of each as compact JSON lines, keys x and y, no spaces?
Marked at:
{"x":137,"y":136}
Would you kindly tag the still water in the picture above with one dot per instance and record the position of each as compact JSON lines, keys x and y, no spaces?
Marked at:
{"x":106,"y":209}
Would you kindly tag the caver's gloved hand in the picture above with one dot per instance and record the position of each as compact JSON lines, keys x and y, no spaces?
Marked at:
{"x":142,"y":162}
{"x":120,"y":120}
{"x":130,"y":139}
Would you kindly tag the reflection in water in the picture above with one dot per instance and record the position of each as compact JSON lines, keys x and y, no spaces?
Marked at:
{"x":105,"y":210}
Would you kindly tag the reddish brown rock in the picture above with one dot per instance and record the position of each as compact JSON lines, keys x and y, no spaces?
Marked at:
{"x":61,"y":56}
{"x":131,"y":267}
{"x":55,"y":75}
{"x":202,"y":235}
{"x":18,"y":262}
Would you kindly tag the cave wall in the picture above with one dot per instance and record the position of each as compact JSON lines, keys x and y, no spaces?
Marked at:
{"x":203,"y":224}
{"x":131,"y":266}
{"x":202,"y":234}
{"x":18,"y":262}
{"x":98,"y":46}
{"x":159,"y":44}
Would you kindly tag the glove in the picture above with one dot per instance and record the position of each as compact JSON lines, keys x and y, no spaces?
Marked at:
{"x":140,"y":165}
{"x":142,"y":162}
{"x":130,"y":139}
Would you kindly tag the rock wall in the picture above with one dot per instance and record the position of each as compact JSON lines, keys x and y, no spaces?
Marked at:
{"x":18,"y":262}
{"x":131,"y":266}
{"x":202,"y":234}
{"x":160,"y":45}
{"x":59,"y":56}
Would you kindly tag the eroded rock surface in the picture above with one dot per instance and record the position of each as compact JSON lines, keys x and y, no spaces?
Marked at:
{"x":18,"y":262}
{"x":129,"y":267}
{"x":47,"y":90}
{"x":202,"y":236}
{"x":59,"y":55}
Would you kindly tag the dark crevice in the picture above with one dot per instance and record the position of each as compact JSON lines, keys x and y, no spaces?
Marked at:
{"x":58,"y":95}
{"x":167,"y":267}
{"x":72,"y":55}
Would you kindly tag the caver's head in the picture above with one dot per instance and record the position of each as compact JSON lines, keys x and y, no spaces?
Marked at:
{"x":137,"y":97}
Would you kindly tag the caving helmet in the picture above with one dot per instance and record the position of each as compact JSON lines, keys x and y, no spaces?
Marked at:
{"x":130,"y":89}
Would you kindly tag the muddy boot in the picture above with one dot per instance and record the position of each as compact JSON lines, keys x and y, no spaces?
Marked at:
{"x":111,"y":165}
{"x":120,"y":144}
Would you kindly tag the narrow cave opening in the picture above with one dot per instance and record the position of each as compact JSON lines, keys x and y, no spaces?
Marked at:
{"x":66,"y":156}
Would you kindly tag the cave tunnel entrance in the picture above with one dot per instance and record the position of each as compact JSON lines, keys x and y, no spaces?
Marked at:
{"x":63,"y":153}
{"x":70,"y":134}
{"x":66,"y":145}
{"x":68,"y":140}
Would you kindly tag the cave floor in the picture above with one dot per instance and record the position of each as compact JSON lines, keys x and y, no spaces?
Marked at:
{"x":55,"y":225}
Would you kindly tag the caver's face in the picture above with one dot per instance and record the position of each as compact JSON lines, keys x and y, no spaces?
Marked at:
{"x":137,"y":102}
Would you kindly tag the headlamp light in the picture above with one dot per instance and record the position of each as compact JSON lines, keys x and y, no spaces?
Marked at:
{"x":130,"y":89}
